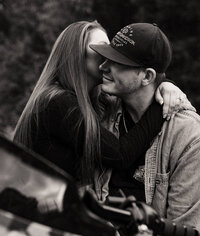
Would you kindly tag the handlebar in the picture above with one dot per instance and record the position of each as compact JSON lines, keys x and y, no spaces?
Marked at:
{"x":129,"y":213}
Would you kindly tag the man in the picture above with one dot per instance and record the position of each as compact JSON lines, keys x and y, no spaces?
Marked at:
{"x":136,"y":61}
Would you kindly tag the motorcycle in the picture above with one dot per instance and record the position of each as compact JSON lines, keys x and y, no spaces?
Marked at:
{"x":38,"y":198}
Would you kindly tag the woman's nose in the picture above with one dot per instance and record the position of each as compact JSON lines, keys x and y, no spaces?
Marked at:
{"x":104,"y":66}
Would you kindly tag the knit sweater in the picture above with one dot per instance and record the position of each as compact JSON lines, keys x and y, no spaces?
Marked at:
{"x":57,"y":138}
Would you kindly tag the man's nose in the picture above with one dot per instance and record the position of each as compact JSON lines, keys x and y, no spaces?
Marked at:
{"x":104,"y":66}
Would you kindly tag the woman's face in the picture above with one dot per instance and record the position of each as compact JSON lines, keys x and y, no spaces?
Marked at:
{"x":93,"y":60}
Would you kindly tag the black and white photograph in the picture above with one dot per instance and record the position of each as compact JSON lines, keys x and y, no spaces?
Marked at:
{"x":99,"y":118}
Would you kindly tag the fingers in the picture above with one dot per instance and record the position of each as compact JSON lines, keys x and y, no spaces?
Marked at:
{"x":159,"y":97}
{"x":171,"y":97}
{"x":166,"y":110}
{"x":173,"y":104}
{"x":164,"y":95}
{"x":185,"y":104}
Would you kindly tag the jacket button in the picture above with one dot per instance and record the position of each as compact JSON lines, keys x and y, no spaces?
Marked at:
{"x":157,"y":181}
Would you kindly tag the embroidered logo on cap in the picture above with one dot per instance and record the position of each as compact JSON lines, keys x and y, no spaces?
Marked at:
{"x":123,"y":37}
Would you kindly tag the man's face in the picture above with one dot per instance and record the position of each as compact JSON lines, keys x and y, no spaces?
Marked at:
{"x":120,"y":80}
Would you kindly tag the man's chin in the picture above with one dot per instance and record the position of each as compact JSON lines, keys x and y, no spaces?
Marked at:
{"x":107,"y":90}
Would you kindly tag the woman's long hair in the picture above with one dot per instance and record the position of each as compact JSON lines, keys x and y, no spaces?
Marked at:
{"x":65,"y":70}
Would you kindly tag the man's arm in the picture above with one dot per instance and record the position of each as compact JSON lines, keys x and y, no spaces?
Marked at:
{"x":184,"y":188}
{"x":183,"y":200}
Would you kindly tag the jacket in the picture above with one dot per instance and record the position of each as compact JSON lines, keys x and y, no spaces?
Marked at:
{"x":172,"y":170}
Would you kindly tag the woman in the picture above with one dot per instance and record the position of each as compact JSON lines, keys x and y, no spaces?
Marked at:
{"x":62,"y":122}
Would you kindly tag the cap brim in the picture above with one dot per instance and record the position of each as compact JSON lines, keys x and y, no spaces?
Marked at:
{"x":107,"y":51}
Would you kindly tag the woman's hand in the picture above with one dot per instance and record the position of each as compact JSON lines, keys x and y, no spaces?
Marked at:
{"x":172,"y":99}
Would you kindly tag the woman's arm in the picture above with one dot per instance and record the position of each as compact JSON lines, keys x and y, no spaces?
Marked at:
{"x":172,"y":99}
{"x":116,"y":153}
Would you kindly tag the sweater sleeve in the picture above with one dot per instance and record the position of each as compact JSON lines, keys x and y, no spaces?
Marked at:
{"x":63,"y":125}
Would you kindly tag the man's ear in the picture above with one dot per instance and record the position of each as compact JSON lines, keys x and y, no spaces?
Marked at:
{"x":150,"y":75}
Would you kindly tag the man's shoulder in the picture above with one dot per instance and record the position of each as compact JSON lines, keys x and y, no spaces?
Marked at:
{"x":186,"y":116}
{"x":178,"y":135}
{"x":184,"y":126}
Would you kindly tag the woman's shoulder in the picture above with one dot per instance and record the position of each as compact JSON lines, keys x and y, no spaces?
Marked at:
{"x":60,"y":104}
{"x":64,"y":95}
{"x":63,"y":99}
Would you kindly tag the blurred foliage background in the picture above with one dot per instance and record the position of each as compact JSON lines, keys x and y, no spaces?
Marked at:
{"x":28,"y":29}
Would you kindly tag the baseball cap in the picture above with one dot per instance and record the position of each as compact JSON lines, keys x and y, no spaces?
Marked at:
{"x":138,"y":45}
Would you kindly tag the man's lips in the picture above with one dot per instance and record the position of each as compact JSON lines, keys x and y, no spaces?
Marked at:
{"x":107,"y":78}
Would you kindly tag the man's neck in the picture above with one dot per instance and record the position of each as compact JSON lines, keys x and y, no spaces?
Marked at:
{"x":137,"y":103}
